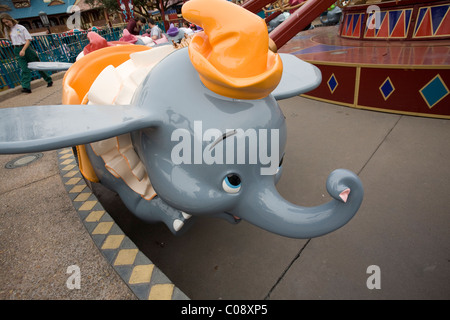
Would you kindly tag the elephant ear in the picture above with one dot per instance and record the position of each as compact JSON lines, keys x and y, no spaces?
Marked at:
{"x":298,"y":77}
{"x":41,"y":128}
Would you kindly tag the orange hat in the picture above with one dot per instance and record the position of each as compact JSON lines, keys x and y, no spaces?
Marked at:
{"x":232,"y":54}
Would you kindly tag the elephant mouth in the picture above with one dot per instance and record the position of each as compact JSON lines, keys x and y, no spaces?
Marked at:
{"x":232,"y":218}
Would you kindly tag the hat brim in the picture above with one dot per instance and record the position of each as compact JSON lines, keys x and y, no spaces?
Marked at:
{"x":249,"y":88}
{"x":177,"y":37}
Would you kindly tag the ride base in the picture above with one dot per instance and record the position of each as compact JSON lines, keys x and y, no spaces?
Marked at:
{"x":400,"y":76}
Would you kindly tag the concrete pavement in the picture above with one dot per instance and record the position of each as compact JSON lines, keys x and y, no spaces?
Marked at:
{"x":399,"y":239}
{"x":40,"y":232}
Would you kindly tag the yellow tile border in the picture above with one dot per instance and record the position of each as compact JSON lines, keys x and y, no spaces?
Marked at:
{"x":65,"y":156}
{"x":126,"y":257}
{"x":161,"y":292}
{"x":68,"y":161}
{"x":70,"y":174}
{"x":95,"y":216}
{"x":145,"y":280}
{"x":103,"y":228}
{"x":77,"y":189}
{"x":82,"y":196}
{"x":73,"y":181}
{"x":88,"y":205}
{"x":113,"y":241}
{"x":141,"y":274}
{"x":69,"y":167}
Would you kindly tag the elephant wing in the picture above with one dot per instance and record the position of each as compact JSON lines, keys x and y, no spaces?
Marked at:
{"x":298,"y":77}
{"x":41,"y":128}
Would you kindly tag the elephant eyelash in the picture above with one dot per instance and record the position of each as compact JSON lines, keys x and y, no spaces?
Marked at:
{"x":281,"y":161}
{"x":223,"y":137}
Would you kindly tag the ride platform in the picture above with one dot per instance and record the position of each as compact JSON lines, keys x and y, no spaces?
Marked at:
{"x":404,"y":77}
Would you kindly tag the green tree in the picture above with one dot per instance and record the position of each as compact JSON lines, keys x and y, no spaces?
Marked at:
{"x":140,"y":6}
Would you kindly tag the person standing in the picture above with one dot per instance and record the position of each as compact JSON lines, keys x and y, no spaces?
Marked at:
{"x":21,"y":41}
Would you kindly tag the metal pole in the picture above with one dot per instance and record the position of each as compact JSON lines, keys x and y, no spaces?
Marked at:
{"x":163,"y":15}
{"x":298,"y":20}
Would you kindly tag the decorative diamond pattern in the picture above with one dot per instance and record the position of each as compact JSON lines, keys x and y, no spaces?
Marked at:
{"x":387,"y":88}
{"x":332,"y":83}
{"x":145,"y":280}
{"x":434,"y":91}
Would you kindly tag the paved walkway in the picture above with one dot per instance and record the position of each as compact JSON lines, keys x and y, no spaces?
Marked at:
{"x":41,"y":234}
{"x":400,"y":238}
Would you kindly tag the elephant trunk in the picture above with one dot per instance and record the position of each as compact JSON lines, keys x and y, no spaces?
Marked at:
{"x":267,"y":209}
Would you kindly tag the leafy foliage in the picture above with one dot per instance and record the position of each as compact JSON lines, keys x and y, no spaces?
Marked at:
{"x":140,"y":6}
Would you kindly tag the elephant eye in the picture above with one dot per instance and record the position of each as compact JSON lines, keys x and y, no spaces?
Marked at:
{"x":232,"y":183}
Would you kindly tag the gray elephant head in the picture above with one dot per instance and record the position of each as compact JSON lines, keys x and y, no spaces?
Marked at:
{"x":204,"y":153}
{"x":224,"y":157}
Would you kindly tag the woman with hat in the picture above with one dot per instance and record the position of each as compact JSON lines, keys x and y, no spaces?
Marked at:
{"x":21,"y":41}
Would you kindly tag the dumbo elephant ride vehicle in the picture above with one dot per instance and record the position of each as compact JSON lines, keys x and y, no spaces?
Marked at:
{"x":213,"y":146}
